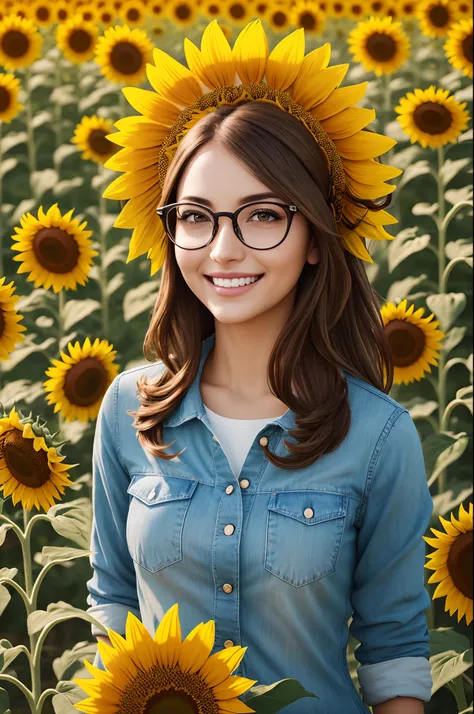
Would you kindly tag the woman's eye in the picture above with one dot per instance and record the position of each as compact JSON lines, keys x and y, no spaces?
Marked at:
{"x":268,"y":214}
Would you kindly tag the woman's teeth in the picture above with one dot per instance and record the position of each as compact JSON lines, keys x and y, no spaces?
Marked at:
{"x":234,"y":282}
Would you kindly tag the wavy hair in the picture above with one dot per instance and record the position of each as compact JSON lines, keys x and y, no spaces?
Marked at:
{"x":336,"y":322}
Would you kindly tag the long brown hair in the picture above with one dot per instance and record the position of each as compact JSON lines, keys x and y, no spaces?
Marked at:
{"x":336,"y":321}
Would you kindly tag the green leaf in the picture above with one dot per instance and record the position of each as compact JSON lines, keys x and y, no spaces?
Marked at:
{"x":76,"y":524}
{"x":422,"y":409}
{"x":447,"y":638}
{"x":449,"y":455}
{"x":115,"y":283}
{"x":453,"y":338}
{"x":28,"y":348}
{"x":68,"y":695}
{"x":80,"y":651}
{"x":41,"y":118}
{"x":447,"y":307}
{"x":139,"y":299}
{"x":412,"y":171}
{"x":4,"y":702}
{"x":461,"y":248}
{"x":401,"y":289}
{"x":43,"y":181}
{"x":448,"y":501}
{"x":7,"y":165}
{"x":62,"y":152}
{"x":53,"y":555}
{"x":8,"y":653}
{"x":58,"y":612}
{"x":3,"y":531}
{"x":117,"y":252}
{"x":270,"y":698}
{"x":95,"y":97}
{"x":11,"y":140}
{"x":405,"y":244}
{"x":5,"y":598}
{"x":433,"y":446}
{"x":424,"y":209}
{"x":8,"y":573}
{"x":77,"y":310}
{"x":448,"y":665}
{"x":65,"y":186}
{"x":450,"y":169}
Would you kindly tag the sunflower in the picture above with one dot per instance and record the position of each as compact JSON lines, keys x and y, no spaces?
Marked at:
{"x":436,"y":17}
{"x":21,"y":9}
{"x":54,"y":249}
{"x":61,"y":12}
{"x":452,"y":563}
{"x":211,"y":9}
{"x":133,"y":13}
{"x":90,"y":137}
{"x":10,"y":107}
{"x":32,"y":471}
{"x":458,"y":47}
{"x":278,"y":16}
{"x":88,"y":13}
{"x":414,"y":341}
{"x":463,"y":8}
{"x":260,"y":7}
{"x":164,"y":673}
{"x":308,"y":15}
{"x":42,"y":13}
{"x":183,"y":13}
{"x":337,"y":8}
{"x":78,"y":382}
{"x":123,"y":54}
{"x":238,"y":12}
{"x":408,"y":9}
{"x":106,"y":15}
{"x":10,"y":330}
{"x":380,"y":45}
{"x":182,"y":96}
{"x":156,"y":8}
{"x":20,"y":42}
{"x":431,"y":117}
{"x":377,"y":7}
{"x":357,"y":9}
{"x":77,"y":38}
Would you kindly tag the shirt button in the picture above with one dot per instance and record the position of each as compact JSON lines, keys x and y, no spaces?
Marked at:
{"x":151,"y":495}
{"x":263,"y":441}
{"x":308,"y":513}
{"x":245,"y":483}
{"x":229,"y":529}
{"x":227,"y":588}
{"x":229,"y":489}
{"x":228,"y":643}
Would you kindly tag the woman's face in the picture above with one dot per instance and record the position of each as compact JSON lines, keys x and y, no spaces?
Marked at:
{"x":215,"y":175}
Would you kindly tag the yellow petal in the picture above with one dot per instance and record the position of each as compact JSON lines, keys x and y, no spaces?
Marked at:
{"x":172,"y":80}
{"x":131,"y":184}
{"x":133,"y":211}
{"x":168,"y":636}
{"x":364,"y":145}
{"x":151,"y":105}
{"x":348,"y":122}
{"x":145,"y":235}
{"x":138,"y":132}
{"x":285,"y":61}
{"x":302,"y":88}
{"x":213,"y":65}
{"x":233,"y":687}
{"x":129,"y":159}
{"x":323,"y":84}
{"x":197,"y":647}
{"x":250,"y":52}
{"x":221,"y":664}
{"x":340,"y":99}
{"x":370,"y":170}
{"x":356,"y":247}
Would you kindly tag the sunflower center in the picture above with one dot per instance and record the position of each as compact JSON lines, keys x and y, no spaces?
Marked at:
{"x":407,"y":342}
{"x":307,"y":21}
{"x":439,"y":16}
{"x":167,"y":690}
{"x":26,"y":465}
{"x":80,"y":40}
{"x":237,"y":11}
{"x":98,"y":142}
{"x":85,"y":382}
{"x":43,"y":13}
{"x":62,"y":14}
{"x":467,"y":47}
{"x":338,"y":7}
{"x":376,"y":6}
{"x":460,"y":563}
{"x":5,"y":99}
{"x":133,"y":14}
{"x":432,"y":118}
{"x":126,"y":58}
{"x":87,"y":16}
{"x":408,"y":8}
{"x":381,"y":47}
{"x":55,"y":250}
{"x":15,"y":43}
{"x":279,"y":18}
{"x":106,"y":17}
{"x":156,"y":9}
{"x":182,"y":11}
{"x":261,"y":7}
{"x":357,"y":9}
{"x":213,"y":9}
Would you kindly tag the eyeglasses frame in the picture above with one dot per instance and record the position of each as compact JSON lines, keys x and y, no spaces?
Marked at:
{"x":289,"y":209}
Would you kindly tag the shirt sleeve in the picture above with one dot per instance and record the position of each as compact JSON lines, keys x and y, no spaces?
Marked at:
{"x":112,"y":588}
{"x":389,"y":598}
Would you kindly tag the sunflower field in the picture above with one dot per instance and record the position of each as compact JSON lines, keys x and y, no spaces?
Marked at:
{"x":75,"y":306}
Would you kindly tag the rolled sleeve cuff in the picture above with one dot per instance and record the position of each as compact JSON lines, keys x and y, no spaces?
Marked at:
{"x":113,"y":616}
{"x":402,"y":677}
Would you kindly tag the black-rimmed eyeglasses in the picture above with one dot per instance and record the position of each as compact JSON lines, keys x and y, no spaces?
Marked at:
{"x":260,"y":225}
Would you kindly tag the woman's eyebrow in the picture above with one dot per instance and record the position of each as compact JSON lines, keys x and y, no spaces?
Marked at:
{"x":244,"y":199}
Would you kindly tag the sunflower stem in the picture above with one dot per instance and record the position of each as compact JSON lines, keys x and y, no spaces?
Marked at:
{"x":457,"y":689}
{"x":57,"y":106}
{"x":30,"y":606}
{"x":26,"y":692}
{"x":47,"y":693}
{"x":30,"y":131}
{"x":61,"y":301}
{"x":103,"y":254}
{"x":448,"y":269}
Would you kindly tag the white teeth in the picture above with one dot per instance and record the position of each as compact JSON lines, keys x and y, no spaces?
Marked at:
{"x":234,"y":283}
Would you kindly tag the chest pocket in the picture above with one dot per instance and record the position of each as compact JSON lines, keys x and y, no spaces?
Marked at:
{"x":304,"y":534}
{"x":156,"y":517}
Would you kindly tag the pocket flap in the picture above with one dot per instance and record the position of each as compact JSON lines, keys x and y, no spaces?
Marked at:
{"x":324,"y":505}
{"x":156,"y":488}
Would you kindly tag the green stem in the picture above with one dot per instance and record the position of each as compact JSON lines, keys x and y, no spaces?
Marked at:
{"x":61,"y":301}
{"x":457,"y":689}
{"x":29,"y":127}
{"x":27,"y":693}
{"x":103,"y":254}
{"x":47,"y":693}
{"x":442,"y":374}
{"x":28,"y":573}
{"x":57,"y":106}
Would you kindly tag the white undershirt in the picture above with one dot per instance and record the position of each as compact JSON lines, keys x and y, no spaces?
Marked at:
{"x":235,"y":436}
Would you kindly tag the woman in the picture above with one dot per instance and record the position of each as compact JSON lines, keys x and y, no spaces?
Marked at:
{"x":292,"y":504}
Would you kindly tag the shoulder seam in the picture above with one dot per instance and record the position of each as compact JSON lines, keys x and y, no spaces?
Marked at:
{"x":368,"y":388}
{"x":116,"y":421}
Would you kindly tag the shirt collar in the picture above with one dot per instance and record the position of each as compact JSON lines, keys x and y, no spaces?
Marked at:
{"x":192,"y":406}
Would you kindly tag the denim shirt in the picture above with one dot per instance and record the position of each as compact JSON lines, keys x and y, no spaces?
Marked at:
{"x":311,"y":554}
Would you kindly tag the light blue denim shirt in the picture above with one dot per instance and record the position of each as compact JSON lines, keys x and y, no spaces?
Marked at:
{"x":303,"y":550}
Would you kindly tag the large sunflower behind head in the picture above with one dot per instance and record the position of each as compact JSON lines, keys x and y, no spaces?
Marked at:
{"x":32,"y":468}
{"x":20,"y":42}
{"x":458,"y":47}
{"x":308,"y":15}
{"x":380,"y":45}
{"x":452,"y":563}
{"x":9,"y":104}
{"x":54,"y":249}
{"x":162,"y":673}
{"x":90,"y":136}
{"x":414,"y":341}
{"x":432,"y":117}
{"x":10,"y":330}
{"x":122,"y":54}
{"x":77,"y":39}
{"x":78,"y":382}
{"x":436,"y":17}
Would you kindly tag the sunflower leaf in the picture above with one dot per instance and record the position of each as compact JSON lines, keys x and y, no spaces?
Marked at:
{"x":5,"y":598}
{"x":433,"y":446}
{"x":5,"y":526}
{"x":62,"y":665}
{"x":460,"y":248}
{"x":447,"y":307}
{"x":41,"y":118}
{"x":401,"y":289}
{"x":11,"y":140}
{"x":450,"y":168}
{"x":270,"y":698}
{"x":449,"y":455}
{"x":117,"y":252}
{"x":405,"y":244}
{"x":63,"y":187}
{"x":62,"y":152}
{"x":8,"y":653}
{"x":28,"y":348}
{"x":53,"y":555}
{"x":7,"y":165}
{"x":458,"y":195}
{"x":95,"y":97}
{"x":23,"y":207}
{"x":139,"y":299}
{"x":423,"y":409}
{"x":76,"y":524}
{"x":448,"y":665}
{"x":77,"y":310}
{"x":68,"y":695}
{"x":58,"y":612}
{"x":42,"y":181}
{"x":115,"y":283}
{"x":453,"y":338}
{"x":419,"y":168}
{"x":4,"y":702}
{"x":447,"y":501}
{"x":8,"y":573}
{"x":447,"y":638}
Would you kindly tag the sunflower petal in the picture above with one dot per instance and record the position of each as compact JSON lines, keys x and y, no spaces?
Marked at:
{"x":301,"y":90}
{"x":172,"y":80}
{"x":348,"y":122}
{"x":364,"y":145}
{"x":285,"y":61}
{"x":213,"y":65}
{"x":250,"y":52}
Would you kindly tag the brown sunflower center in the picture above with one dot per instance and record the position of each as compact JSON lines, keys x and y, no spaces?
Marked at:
{"x":156,"y":9}
{"x":338,"y":7}
{"x":106,"y":17}
{"x":432,"y":118}
{"x":55,"y":250}
{"x":62,"y":14}
{"x":381,"y":47}
{"x":407,"y":342}
{"x":98,"y":142}
{"x":80,"y":40}
{"x":213,"y":9}
{"x":439,"y":16}
{"x":460,"y":563}
{"x":377,"y":6}
{"x":182,"y":11}
{"x":167,"y":690}
{"x":357,"y":9}
{"x":279,"y":18}
{"x":307,"y":21}
{"x":26,"y":465}
{"x":408,"y":8}
{"x":87,"y":16}
{"x":126,"y":58}
{"x":5,"y":99}
{"x":261,"y":7}
{"x":133,"y":14}
{"x":236,"y":10}
{"x":467,"y":47}
{"x":43,"y":13}
{"x":15,"y":43}
{"x":85,"y":382}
